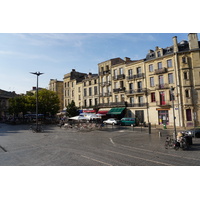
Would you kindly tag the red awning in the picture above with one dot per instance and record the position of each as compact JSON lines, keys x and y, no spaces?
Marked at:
{"x":89,"y":111}
{"x":103,"y":112}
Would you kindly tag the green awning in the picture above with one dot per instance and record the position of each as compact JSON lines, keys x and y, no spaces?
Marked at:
{"x":115,"y":111}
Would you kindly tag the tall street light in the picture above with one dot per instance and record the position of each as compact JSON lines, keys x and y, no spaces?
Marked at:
{"x":172,"y":98}
{"x":37,"y":74}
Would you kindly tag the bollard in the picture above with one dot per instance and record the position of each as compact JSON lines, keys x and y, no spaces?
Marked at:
{"x":149,"y":128}
{"x":160,"y":135}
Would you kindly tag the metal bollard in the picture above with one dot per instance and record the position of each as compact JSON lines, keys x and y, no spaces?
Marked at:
{"x":149,"y":128}
{"x":159,"y":133}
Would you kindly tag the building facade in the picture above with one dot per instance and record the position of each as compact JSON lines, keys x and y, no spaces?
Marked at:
{"x":161,"y":88}
{"x":57,"y":87}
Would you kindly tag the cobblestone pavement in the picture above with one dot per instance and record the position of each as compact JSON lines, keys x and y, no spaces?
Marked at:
{"x":111,"y":146}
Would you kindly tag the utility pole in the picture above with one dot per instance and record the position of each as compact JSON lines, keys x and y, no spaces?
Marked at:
{"x":172,"y":98}
{"x":37,"y":74}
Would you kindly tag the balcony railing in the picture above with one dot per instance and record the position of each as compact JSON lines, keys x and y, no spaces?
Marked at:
{"x":104,"y":72}
{"x":136,"y":91}
{"x":117,"y":90}
{"x":164,"y":103}
{"x":118,"y":77}
{"x":112,"y":104}
{"x":136,"y":76}
{"x":162,"y":86}
{"x":106,"y":83}
{"x":160,"y":71}
{"x":137,"y":104}
{"x":107,"y":94}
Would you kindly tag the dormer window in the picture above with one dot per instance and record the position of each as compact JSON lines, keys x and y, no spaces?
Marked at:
{"x":158,"y":54}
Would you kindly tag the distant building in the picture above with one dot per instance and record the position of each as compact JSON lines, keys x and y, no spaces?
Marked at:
{"x":4,"y":102}
{"x":57,"y":87}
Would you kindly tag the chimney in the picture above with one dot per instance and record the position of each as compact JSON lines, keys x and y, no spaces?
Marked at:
{"x":193,"y":41}
{"x":175,"y":43}
{"x":127,"y":59}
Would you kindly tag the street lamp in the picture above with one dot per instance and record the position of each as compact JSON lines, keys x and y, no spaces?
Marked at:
{"x":37,"y":74}
{"x":172,"y":98}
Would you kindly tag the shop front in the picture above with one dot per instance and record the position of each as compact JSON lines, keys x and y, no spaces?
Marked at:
{"x":163,"y":116}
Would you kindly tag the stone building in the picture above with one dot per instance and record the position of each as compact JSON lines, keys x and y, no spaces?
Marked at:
{"x":4,"y":102}
{"x":163,"y":86}
{"x":57,"y":87}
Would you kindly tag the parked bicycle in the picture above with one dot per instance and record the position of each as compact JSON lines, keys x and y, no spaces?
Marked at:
{"x":36,"y":129}
{"x":182,"y":141}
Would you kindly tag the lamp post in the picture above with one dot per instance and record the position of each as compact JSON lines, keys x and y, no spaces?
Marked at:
{"x":172,"y":98}
{"x":37,"y":74}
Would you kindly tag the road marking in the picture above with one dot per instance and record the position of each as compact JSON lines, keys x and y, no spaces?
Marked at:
{"x":112,"y":141}
{"x":96,"y":160}
{"x":151,"y":151}
{"x":157,"y":162}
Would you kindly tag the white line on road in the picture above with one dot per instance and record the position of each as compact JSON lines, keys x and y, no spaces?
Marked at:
{"x":96,"y":160}
{"x":139,"y":158}
{"x":112,"y":141}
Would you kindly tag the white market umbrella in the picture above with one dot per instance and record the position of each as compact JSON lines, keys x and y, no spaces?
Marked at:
{"x":78,"y":118}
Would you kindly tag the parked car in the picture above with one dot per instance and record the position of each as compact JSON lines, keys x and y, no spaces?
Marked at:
{"x":111,"y":121}
{"x":193,"y":132}
{"x":128,"y":122}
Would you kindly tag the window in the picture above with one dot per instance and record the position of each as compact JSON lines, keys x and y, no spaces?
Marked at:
{"x":151,"y":81}
{"x":122,"y":98}
{"x":72,"y":93}
{"x":184,"y":59}
{"x":96,"y":101}
{"x":132,"y":100}
{"x":67,"y":84}
{"x":169,"y":63}
{"x":121,"y":71}
{"x":130,"y":72}
{"x":171,"y":96}
{"x":90,"y":102}
{"x":116,"y":98}
{"x":115,"y":73}
{"x":130,"y":86}
{"x":95,"y":90}
{"x":90,"y":82}
{"x":84,"y":83}
{"x":187,"y":94}
{"x":102,"y":69}
{"x":188,"y":115}
{"x":153,"y":97}
{"x":85,"y":92}
{"x":139,"y":84}
{"x":170,"y":78}
{"x":85,"y":103}
{"x":160,"y":65}
{"x":121,"y":84}
{"x":185,"y":75}
{"x":139,"y":70}
{"x":140,"y":99}
{"x":79,"y":89}
{"x":158,"y":54}
{"x":151,"y":68}
{"x":90,"y":91}
{"x":95,"y":81}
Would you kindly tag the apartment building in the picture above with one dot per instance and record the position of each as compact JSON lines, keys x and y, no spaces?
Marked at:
{"x":71,"y":87}
{"x":57,"y":87}
{"x":161,"y":88}
{"x":90,"y":89}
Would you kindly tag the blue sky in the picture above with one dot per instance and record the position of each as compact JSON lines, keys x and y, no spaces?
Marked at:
{"x":56,"y":54}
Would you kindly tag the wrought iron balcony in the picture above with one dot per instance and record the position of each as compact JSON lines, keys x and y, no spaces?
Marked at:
{"x":136,"y":91}
{"x":137,"y":104}
{"x":117,"y":90}
{"x":104,"y":72}
{"x":162,"y":86}
{"x":119,"y":77}
{"x":164,"y":103}
{"x":161,"y":71}
{"x":136,"y":76}
{"x":106,"y":83}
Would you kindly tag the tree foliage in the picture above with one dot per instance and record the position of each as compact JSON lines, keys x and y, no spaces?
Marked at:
{"x":72,"y":110}
{"x":48,"y":103}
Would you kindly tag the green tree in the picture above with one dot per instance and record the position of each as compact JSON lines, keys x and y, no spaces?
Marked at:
{"x":72,"y":110}
{"x":48,"y":102}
